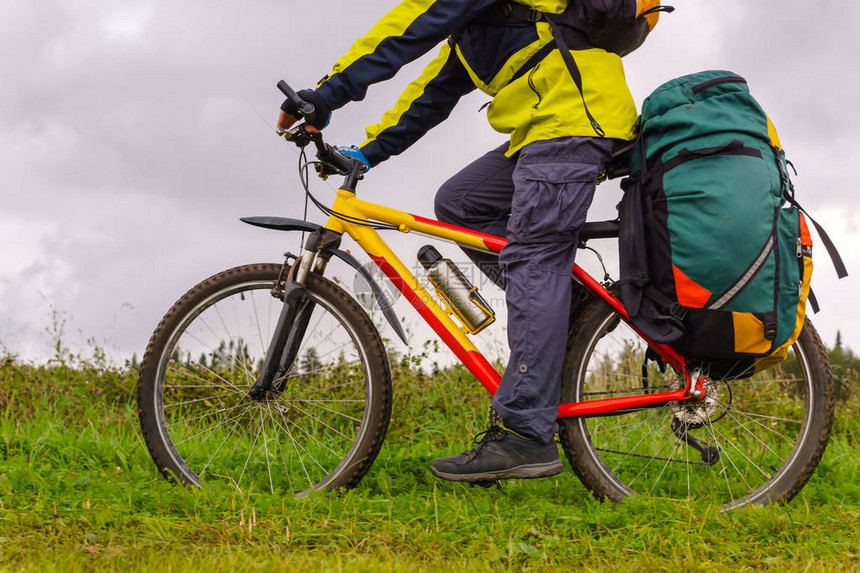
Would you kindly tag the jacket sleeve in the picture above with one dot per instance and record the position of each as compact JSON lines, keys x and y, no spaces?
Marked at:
{"x":407,"y":32}
{"x":426,"y":102}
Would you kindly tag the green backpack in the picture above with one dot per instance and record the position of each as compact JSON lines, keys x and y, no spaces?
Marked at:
{"x":715,"y":252}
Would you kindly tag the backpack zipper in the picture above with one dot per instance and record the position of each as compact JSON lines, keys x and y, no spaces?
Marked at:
{"x":717,"y":82}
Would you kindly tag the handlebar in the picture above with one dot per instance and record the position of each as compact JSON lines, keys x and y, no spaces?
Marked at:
{"x":333,"y":161}
{"x":306,"y":110}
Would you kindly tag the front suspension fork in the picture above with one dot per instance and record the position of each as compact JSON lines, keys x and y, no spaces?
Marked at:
{"x":295,"y":314}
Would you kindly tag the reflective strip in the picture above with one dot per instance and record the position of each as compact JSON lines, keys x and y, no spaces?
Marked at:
{"x":745,"y":278}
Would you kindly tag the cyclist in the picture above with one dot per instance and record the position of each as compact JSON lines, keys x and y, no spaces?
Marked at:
{"x":535,"y":190}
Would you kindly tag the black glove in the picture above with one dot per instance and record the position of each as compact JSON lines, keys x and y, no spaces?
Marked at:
{"x":323,"y":111}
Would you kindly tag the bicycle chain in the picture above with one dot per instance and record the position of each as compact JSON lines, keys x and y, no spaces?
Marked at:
{"x":630,"y":391}
{"x":659,"y":459}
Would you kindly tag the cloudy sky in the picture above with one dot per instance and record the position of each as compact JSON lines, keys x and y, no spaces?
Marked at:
{"x":134,"y":134}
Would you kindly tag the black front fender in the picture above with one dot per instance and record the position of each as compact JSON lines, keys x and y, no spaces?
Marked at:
{"x":281,"y":223}
{"x":290,"y":224}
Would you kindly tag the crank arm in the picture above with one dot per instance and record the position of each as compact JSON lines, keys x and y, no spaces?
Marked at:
{"x":487,"y":484}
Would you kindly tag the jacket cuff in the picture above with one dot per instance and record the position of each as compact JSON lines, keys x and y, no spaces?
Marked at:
{"x":374,"y":153}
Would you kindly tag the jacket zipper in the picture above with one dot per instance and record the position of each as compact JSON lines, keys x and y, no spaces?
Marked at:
{"x":533,"y":88}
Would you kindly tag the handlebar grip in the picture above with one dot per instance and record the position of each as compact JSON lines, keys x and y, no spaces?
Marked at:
{"x":332,"y":156}
{"x":305,"y":109}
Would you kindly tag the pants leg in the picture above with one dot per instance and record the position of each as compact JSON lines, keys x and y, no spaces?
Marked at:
{"x":554,"y":184}
{"x":479,"y":198}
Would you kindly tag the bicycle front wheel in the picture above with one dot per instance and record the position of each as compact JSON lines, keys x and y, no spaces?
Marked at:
{"x":755,"y":440}
{"x":322,"y":427}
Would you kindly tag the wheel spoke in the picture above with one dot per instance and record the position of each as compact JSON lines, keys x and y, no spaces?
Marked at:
{"x":195,"y":400}
{"x":212,"y":384}
{"x":287,"y":471}
{"x":230,"y":433}
{"x":296,"y":446}
{"x":266,"y":448}
{"x":210,"y":430}
{"x":201,"y":416}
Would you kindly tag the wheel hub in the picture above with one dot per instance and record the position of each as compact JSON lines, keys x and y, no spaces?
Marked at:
{"x":696,"y":413}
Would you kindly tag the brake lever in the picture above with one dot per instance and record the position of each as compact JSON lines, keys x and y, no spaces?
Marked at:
{"x":324,"y":171}
{"x":298,"y":135}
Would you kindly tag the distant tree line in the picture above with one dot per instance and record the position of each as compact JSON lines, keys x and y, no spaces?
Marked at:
{"x":846,"y":369}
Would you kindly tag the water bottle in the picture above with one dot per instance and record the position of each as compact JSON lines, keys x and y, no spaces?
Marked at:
{"x":454,"y":288}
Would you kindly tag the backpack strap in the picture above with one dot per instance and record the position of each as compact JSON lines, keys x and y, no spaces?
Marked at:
{"x":575,"y":40}
{"x":570,"y":62}
{"x":534,"y":61}
{"x":813,"y":301}
{"x":841,"y":271}
{"x":509,"y":13}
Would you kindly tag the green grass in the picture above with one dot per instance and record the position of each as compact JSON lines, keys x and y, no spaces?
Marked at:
{"x":78,"y":492}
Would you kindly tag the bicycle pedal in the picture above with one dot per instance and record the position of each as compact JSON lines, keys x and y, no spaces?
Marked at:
{"x":487,"y":484}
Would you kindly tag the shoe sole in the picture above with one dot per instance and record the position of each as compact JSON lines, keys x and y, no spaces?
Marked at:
{"x":528,"y":471}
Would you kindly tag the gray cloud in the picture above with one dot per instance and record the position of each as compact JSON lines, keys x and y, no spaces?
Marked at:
{"x":132,"y":140}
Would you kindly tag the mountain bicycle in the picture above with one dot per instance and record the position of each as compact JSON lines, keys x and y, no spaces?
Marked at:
{"x":273,"y":374}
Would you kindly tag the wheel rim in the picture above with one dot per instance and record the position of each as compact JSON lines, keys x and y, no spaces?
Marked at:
{"x":299,"y":440}
{"x":758,"y":426}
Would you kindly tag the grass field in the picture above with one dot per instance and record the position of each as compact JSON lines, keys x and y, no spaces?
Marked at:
{"x":79,"y":492}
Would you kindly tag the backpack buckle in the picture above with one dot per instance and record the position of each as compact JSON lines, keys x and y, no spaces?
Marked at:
{"x":534,"y":16}
{"x":677,"y":311}
{"x":520,"y":12}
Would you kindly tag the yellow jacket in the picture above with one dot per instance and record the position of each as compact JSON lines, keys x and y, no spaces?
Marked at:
{"x":541,"y":103}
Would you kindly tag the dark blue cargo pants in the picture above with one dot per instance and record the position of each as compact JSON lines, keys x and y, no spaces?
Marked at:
{"x":538,"y":202}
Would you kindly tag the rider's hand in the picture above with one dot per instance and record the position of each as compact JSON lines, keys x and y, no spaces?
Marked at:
{"x":355,"y":153}
{"x":286,"y":121}
{"x":289,"y":112}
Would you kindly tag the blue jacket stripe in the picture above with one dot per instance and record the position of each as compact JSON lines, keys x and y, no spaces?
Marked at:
{"x":426,"y":31}
{"x":428,"y":110}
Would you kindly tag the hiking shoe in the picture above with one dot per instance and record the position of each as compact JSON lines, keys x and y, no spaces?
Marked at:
{"x":500,"y":454}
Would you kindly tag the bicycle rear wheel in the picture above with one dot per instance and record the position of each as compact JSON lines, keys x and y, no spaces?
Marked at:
{"x":322,"y":429}
{"x":755,"y":440}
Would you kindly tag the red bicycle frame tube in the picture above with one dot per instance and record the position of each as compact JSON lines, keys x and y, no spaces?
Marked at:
{"x":490,"y":379}
{"x":474,"y":361}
